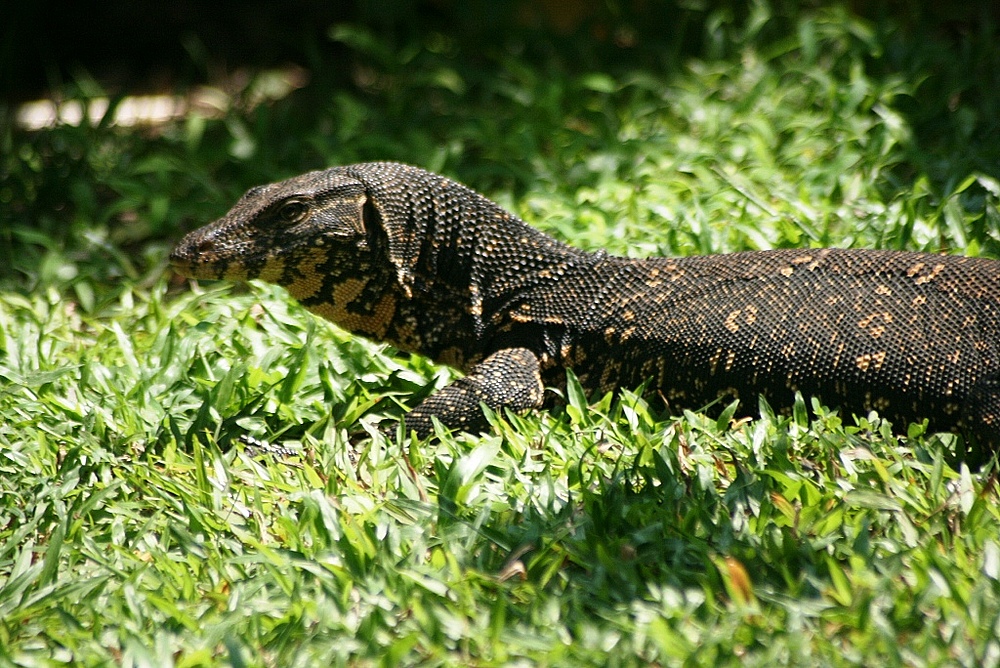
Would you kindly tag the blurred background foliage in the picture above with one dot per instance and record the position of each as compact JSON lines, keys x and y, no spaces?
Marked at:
{"x":586,"y":101}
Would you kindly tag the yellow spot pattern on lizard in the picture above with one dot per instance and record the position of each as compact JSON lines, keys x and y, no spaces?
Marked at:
{"x":374,"y":324}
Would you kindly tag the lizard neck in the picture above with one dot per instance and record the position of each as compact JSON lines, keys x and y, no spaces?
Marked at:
{"x":351,"y":288}
{"x":469,"y":273}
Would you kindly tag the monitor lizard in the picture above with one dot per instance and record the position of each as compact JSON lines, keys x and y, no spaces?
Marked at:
{"x":398,"y":254}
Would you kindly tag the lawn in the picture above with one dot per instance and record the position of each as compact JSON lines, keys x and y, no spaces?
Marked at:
{"x":137,"y":527}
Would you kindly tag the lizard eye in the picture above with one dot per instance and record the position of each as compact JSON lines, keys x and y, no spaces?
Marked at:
{"x":293,"y":211}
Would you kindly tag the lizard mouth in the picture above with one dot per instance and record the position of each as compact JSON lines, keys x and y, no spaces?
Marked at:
{"x":183,"y":264}
{"x":190,"y":268}
{"x":192,"y":257}
{"x":204,"y":258}
{"x":198,"y":257}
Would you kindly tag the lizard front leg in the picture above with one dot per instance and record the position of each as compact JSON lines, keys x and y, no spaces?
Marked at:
{"x":509,"y":378}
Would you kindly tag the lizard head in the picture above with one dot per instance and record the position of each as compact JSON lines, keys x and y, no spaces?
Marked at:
{"x":347,"y":242}
{"x":322,"y":236}
{"x":274,"y":228}
{"x":336,"y":215}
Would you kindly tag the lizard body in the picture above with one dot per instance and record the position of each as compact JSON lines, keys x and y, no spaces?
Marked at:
{"x":398,"y":254}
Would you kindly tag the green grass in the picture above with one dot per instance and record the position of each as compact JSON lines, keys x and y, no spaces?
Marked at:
{"x":136,"y":530}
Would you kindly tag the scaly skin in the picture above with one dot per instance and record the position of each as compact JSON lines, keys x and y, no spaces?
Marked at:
{"x":398,"y":254}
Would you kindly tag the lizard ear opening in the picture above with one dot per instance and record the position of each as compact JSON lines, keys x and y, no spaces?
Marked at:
{"x":373,"y":221}
{"x":370,"y":217}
